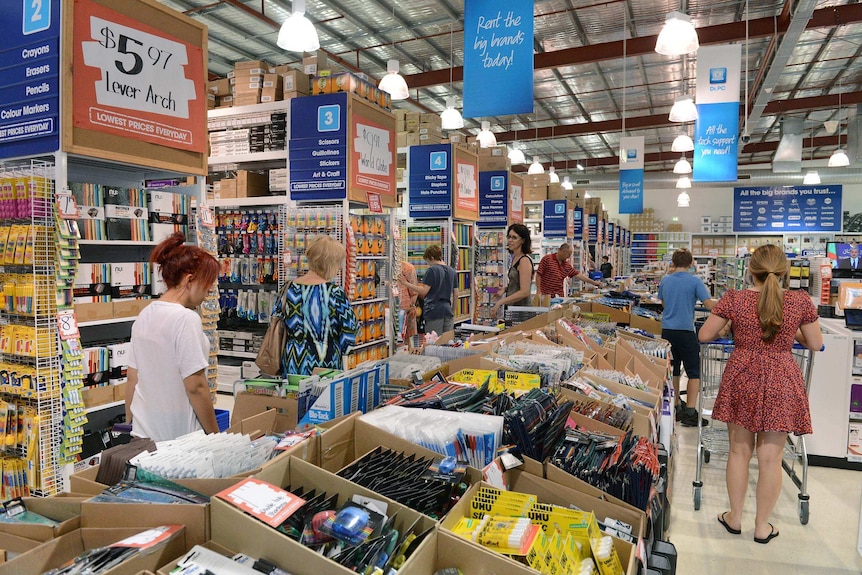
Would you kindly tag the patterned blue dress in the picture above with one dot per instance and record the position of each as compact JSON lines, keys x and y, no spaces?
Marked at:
{"x":321,"y":326}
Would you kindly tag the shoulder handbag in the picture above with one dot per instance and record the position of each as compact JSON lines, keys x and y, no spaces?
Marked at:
{"x":272,"y":348}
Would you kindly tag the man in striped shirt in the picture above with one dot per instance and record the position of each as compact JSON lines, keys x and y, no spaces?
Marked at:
{"x":554,"y":268}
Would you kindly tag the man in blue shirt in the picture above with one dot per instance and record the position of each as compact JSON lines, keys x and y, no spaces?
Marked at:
{"x":679,"y":292}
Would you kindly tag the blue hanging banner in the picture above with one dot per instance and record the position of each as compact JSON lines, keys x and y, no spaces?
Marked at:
{"x":716,"y":141}
{"x":787,"y":210}
{"x":493,"y":199}
{"x":429,"y":188}
{"x":554,"y":219}
{"x":498,"y":51}
{"x":631,"y":174}
{"x":30,"y":93}
{"x":318,"y":157}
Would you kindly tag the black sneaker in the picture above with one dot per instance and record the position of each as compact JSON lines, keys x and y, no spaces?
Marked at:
{"x":690,"y":416}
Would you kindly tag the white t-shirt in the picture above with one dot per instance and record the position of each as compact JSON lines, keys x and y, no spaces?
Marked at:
{"x":168,"y":345}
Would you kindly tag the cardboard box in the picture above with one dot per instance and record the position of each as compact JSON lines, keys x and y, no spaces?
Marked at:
{"x":231,"y":527}
{"x":220,"y":87}
{"x":221,"y":550}
{"x":129,"y":307}
{"x":249,"y":64}
{"x":645,"y":323}
{"x":537,"y":179}
{"x":617,"y":315}
{"x":535,"y":194}
{"x":556,"y":192}
{"x":493,"y":163}
{"x":447,"y":550}
{"x":65,"y":510}
{"x":314,"y":63}
{"x":251,"y":184}
{"x":94,"y":311}
{"x":13,"y":545}
{"x":57,"y":552}
{"x":271,"y":95}
{"x":247,"y":99}
{"x":97,"y":395}
{"x":225,"y":189}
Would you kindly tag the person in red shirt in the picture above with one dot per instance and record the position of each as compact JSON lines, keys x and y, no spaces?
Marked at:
{"x":554,"y":268}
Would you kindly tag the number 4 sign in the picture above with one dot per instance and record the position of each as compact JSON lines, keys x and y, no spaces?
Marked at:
{"x":67,"y":325}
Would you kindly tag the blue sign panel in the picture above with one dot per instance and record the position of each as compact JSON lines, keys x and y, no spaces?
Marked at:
{"x":611,"y":237}
{"x":493,"y":199}
{"x":498,"y":51}
{"x":578,"y":228}
{"x":795,"y":210}
{"x":318,"y":154}
{"x":429,"y":188}
{"x":30,"y":64}
{"x":716,"y":142}
{"x":631,"y":191}
{"x":554,"y":218}
{"x":592,"y":228}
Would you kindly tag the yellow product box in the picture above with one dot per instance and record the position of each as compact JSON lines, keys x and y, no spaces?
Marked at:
{"x":520,"y":382}
{"x":21,"y":244}
{"x":475,"y":377}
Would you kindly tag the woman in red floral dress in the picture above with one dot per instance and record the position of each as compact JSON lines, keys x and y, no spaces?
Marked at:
{"x":762,"y":395}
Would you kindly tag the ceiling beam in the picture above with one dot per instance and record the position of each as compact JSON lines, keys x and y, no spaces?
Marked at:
{"x":717,"y":34}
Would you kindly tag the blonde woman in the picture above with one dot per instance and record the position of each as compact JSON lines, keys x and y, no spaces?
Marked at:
{"x":762,"y":395}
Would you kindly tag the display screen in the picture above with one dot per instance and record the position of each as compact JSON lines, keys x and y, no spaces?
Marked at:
{"x":844,"y":256}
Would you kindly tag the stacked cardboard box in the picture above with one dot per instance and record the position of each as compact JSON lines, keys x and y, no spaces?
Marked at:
{"x":293,"y":82}
{"x":646,"y":222}
{"x":248,"y":81}
{"x":493,"y":159}
{"x":245,"y":185}
{"x":313,"y":63}
{"x":416,"y":129}
{"x":536,"y":187}
{"x":721,"y":224}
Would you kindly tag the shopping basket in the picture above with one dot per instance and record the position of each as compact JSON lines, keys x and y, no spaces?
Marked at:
{"x":713,"y":360}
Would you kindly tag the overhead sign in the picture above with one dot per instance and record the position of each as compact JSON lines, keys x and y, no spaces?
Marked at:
{"x":612,"y":238}
{"x":717,"y":127}
{"x":498,"y":51}
{"x":429,"y":187}
{"x":135,"y":81}
{"x":578,"y":223}
{"x":318,"y":156}
{"x":592,"y":228}
{"x":493,"y":199}
{"x":631,"y":174}
{"x":780,"y":209}
{"x":555,"y":219}
{"x":30,"y":91}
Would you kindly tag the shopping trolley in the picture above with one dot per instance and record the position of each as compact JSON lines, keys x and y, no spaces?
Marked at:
{"x":713,"y":360}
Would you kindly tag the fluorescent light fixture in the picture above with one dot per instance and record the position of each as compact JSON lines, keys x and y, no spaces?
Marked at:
{"x":678,"y":36}
{"x":838,"y":159}
{"x":394,"y":83}
{"x":536,"y":167}
{"x":486,"y":137}
{"x":567,"y":183}
{"x":682,"y":166}
{"x":812,"y":178}
{"x":552,"y":172}
{"x":683,"y":183}
{"x":683,"y":110}
{"x":682,"y":143}
{"x":516,"y":156}
{"x":450,"y":117}
{"x":683,"y":200}
{"x":297,"y":34}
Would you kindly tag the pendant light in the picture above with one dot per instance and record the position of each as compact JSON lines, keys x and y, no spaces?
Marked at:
{"x":580,"y":166}
{"x":516,"y":156}
{"x":683,"y":183}
{"x":567,"y":183}
{"x":683,"y":200}
{"x":678,"y":36}
{"x":298,"y":34}
{"x":451,"y":118}
{"x":812,"y":178}
{"x":682,"y":143}
{"x":552,"y":173}
{"x":394,"y":83}
{"x":683,"y":110}
{"x":486,"y":137}
{"x":536,"y":167}
{"x":682,"y":166}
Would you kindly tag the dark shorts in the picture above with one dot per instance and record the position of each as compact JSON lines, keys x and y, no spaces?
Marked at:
{"x":685,"y":350}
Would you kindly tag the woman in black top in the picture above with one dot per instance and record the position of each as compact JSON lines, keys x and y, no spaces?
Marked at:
{"x":521,"y":273}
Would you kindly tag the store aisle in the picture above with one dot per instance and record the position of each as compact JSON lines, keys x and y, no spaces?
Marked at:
{"x":826,"y":546}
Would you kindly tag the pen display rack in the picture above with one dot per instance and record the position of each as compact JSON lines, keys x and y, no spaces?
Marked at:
{"x":492,"y":261}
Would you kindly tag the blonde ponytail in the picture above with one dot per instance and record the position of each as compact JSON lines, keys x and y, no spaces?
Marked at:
{"x":770,"y":308}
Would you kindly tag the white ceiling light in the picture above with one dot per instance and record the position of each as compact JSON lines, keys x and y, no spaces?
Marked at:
{"x":536,"y":167}
{"x":486,"y":137}
{"x":683,"y":183}
{"x":683,"y":200}
{"x":682,"y":166}
{"x":839,"y":159}
{"x":678,"y":36}
{"x":587,"y":195}
{"x":297,"y":34}
{"x":812,"y":178}
{"x":394,"y":83}
{"x":580,"y":166}
{"x":683,"y":110}
{"x":552,"y":172}
{"x":516,"y":156}
{"x":567,"y":183}
{"x":682,"y":143}
{"x":450,"y":118}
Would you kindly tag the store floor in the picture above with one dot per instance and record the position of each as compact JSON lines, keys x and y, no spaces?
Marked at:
{"x":826,"y":546}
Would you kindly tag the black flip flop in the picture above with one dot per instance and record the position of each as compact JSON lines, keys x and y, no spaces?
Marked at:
{"x":730,"y":529}
{"x":772,"y":535}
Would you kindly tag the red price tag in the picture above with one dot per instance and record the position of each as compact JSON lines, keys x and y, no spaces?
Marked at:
{"x":67,"y":207}
{"x":375,"y":205}
{"x":67,"y":325}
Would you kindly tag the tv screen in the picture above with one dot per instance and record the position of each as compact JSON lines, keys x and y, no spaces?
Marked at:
{"x":844,"y":256}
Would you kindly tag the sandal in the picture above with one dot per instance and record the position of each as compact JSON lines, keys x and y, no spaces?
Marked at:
{"x":730,"y":529}
{"x":772,"y":535}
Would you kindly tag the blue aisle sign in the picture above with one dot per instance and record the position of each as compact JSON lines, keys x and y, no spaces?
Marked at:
{"x":318,"y":148}
{"x":30,"y":64}
{"x":429,"y":188}
{"x":592,"y":228}
{"x":493,"y":199}
{"x":716,"y":130}
{"x":631,"y":175}
{"x":611,"y":237}
{"x":554,"y":219}
{"x":498,"y":51}
{"x":797,"y":209}
{"x":578,"y":230}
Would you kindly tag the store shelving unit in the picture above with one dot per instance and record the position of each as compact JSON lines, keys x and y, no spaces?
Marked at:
{"x":654,"y":246}
{"x":462,"y":236}
{"x":492,"y":262}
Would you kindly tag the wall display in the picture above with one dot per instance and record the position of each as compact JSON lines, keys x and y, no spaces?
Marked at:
{"x":717,"y":127}
{"x":631,"y":174}
{"x":780,"y":209}
{"x":430,"y":184}
{"x":30,"y":95}
{"x":494,"y":199}
{"x":498,"y":51}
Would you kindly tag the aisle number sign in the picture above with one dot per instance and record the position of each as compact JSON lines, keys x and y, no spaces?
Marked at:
{"x":135,"y":81}
{"x":318,"y":157}
{"x":555,"y":219}
{"x":430,"y":185}
{"x":494,"y":199}
{"x":30,"y":92}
